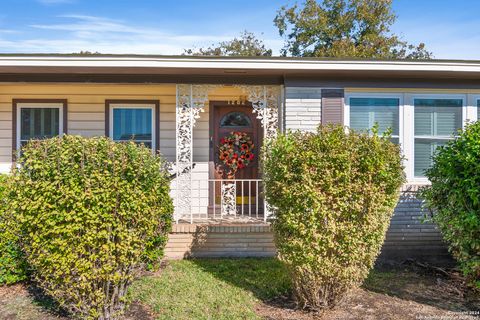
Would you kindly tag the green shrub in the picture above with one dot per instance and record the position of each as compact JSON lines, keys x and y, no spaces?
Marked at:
{"x":454,"y":198}
{"x":333,"y":195}
{"x":89,"y":211}
{"x":12,"y":265}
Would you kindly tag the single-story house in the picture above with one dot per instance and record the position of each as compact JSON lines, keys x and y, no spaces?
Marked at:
{"x":184,"y":106}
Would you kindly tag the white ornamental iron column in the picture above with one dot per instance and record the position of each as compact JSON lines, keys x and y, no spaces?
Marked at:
{"x":191,"y":100}
{"x":266,"y":101}
{"x":228,"y":205}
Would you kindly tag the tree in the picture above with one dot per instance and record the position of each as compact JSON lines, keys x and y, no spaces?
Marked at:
{"x":86,"y":53}
{"x":246,"y":45}
{"x":344,"y":28}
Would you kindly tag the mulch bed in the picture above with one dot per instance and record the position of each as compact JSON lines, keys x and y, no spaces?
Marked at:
{"x":415,"y":291}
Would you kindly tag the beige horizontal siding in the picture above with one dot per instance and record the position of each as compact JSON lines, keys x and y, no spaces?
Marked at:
{"x":86,"y":108}
{"x":86,"y":117}
{"x":5,"y":135}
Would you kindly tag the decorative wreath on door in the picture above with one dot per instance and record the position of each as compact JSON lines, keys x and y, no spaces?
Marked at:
{"x":236,"y":152}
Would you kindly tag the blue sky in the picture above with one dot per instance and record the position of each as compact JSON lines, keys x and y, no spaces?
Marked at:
{"x":451,"y":29}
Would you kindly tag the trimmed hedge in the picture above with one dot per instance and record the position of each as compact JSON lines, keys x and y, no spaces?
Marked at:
{"x":12,"y":264}
{"x":91,"y":213}
{"x":454,"y":198}
{"x":333,"y":194}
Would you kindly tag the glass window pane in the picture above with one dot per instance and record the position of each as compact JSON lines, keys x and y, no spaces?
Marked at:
{"x":395,"y":140}
{"x":433,"y":118}
{"x":437,"y":117}
{"x":478,"y":107}
{"x":132,"y":124}
{"x":365,"y":112}
{"x":39,"y":123}
{"x":235,"y":119}
{"x":424,"y":149}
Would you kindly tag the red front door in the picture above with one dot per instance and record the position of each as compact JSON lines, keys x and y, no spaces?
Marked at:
{"x":226,"y":119}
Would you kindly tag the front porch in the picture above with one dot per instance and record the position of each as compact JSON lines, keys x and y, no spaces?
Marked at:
{"x":202,"y":190}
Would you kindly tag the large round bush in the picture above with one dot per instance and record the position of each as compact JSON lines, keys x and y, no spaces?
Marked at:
{"x":454,"y":198}
{"x":333,"y":194}
{"x":12,"y":264}
{"x":91,"y":213}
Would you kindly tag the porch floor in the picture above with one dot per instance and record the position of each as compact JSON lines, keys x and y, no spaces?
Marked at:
{"x":225,"y":220}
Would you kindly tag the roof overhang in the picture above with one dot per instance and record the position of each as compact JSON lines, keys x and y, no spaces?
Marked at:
{"x":202,"y":69}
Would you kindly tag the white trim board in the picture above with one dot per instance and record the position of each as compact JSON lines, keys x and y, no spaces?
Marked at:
{"x":238,"y":63}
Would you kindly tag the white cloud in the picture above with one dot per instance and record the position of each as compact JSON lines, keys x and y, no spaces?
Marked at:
{"x":7,"y":31}
{"x":82,"y":23}
{"x":91,"y":33}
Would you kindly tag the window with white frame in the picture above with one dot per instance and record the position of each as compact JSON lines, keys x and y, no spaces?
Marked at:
{"x":38,"y":121}
{"x":133,"y":122}
{"x":365,"y":112}
{"x":478,"y":107}
{"x":436,"y":121}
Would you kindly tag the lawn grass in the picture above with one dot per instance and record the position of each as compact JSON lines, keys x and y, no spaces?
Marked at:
{"x":212,"y":289}
{"x":260,"y":289}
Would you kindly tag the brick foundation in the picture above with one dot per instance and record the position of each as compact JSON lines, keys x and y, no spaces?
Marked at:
{"x":208,"y":241}
{"x":407,"y":237}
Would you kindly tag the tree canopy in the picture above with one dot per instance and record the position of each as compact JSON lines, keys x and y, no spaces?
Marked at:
{"x":247,"y":44}
{"x":344,"y":28}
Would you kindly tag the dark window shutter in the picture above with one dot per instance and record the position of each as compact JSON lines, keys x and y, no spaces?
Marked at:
{"x":332,"y":106}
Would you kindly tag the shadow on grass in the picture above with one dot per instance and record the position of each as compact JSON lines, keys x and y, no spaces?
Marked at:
{"x":47,"y":303}
{"x":266,"y":278}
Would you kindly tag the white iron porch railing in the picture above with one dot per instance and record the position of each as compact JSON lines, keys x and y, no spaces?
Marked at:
{"x":225,"y":199}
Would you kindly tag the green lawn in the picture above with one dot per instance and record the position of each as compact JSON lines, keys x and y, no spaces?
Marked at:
{"x":212,"y":289}
{"x":235,"y":288}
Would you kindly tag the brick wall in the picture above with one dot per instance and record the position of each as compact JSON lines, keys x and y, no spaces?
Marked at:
{"x":407,"y":237}
{"x":410,"y":235}
{"x":201,"y":241}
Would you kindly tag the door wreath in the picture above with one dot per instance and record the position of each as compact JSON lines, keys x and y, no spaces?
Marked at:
{"x":236,"y":152}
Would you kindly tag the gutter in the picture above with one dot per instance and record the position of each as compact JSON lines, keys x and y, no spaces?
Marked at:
{"x":281,"y":64}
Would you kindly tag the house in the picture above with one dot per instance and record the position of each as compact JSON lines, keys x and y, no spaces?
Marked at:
{"x":184,"y":106}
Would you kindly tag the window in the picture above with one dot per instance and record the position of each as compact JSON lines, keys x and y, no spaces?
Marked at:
{"x":235,"y":119}
{"x":365,"y":112}
{"x":435,"y":122}
{"x":133,"y":121}
{"x":478,"y":107}
{"x":38,"y":120}
{"x":420,"y":122}
{"x":133,"y":124}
